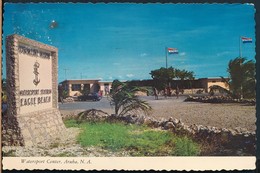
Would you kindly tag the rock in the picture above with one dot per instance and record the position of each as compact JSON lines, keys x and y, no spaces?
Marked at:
{"x":162,"y":123}
{"x":185,"y":127}
{"x":175,"y":121}
{"x":169,"y":125}
{"x":147,"y":121}
{"x":156,"y":124}
{"x":232,"y":132}
{"x":200,"y":128}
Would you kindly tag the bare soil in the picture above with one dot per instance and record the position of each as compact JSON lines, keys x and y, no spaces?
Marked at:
{"x":217,"y":115}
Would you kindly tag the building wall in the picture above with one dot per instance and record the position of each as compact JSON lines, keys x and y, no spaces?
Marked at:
{"x":94,"y":86}
{"x":222,"y":84}
{"x":202,"y":83}
{"x":208,"y":82}
{"x":103,"y":86}
{"x":73,"y":93}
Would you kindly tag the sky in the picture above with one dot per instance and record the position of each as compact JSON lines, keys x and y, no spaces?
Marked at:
{"x":126,"y":41}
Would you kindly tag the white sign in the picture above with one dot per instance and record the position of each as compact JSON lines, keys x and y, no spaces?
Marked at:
{"x":35,"y":74}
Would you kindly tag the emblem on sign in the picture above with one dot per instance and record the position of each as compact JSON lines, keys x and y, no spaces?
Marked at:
{"x":36,"y":80}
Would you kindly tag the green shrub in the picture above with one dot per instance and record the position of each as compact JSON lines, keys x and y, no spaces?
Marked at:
{"x":71,"y":123}
{"x":136,"y":140}
{"x":186,"y":147}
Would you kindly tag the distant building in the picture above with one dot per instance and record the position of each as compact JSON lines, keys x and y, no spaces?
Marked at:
{"x":208,"y":82}
{"x":77,"y":87}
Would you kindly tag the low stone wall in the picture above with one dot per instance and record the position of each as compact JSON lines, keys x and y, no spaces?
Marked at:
{"x":68,"y":100}
{"x":32,"y":129}
{"x":11,"y":133}
{"x":194,"y":91}
{"x":221,"y":137}
{"x":219,"y":99}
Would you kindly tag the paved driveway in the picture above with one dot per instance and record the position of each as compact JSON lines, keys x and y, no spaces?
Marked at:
{"x":84,"y":105}
{"x":104,"y":104}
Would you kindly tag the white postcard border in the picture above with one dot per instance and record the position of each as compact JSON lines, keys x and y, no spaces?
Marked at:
{"x":130,"y":163}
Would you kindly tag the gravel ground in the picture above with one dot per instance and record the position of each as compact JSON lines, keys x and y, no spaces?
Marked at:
{"x":232,"y":115}
{"x":217,"y":115}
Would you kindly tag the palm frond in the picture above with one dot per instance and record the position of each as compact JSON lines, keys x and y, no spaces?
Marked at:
{"x":124,"y":100}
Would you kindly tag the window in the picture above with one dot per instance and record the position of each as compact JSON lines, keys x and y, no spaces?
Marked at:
{"x":66,"y":87}
{"x":76,"y":87}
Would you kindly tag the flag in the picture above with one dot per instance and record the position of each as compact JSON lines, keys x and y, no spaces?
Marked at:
{"x":246,"y":40}
{"x":173,"y":51}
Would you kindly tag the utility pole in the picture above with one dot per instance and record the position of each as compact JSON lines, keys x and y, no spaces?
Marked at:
{"x":66,"y":69}
{"x":80,"y":75}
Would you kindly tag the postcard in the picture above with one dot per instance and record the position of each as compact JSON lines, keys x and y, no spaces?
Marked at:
{"x":128,"y":86}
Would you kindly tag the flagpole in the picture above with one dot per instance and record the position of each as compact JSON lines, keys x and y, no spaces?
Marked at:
{"x":240,"y":50}
{"x":166,"y":57}
{"x":240,"y":55}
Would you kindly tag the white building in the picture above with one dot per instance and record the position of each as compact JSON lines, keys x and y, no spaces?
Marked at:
{"x":75,"y":87}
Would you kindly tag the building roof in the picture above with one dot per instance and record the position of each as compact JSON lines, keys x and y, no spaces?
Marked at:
{"x":80,"y":80}
{"x":216,"y":77}
{"x":106,"y":81}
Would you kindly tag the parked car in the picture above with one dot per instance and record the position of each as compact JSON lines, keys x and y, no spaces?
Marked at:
{"x":91,"y":96}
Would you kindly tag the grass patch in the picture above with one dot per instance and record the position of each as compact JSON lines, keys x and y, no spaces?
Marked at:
{"x":71,"y":123}
{"x":135,"y":139}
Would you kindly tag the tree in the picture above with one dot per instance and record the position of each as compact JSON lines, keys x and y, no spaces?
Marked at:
{"x":241,"y":78}
{"x":184,"y":74}
{"x":62,"y":92}
{"x":163,"y":76}
{"x":124,"y":100}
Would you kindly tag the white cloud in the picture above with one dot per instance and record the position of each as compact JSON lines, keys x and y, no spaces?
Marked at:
{"x":116,"y":63}
{"x":130,"y":75}
{"x":110,"y":77}
{"x":223,"y":53}
{"x":143,"y":54}
{"x":182,"y":53}
{"x":250,"y":4}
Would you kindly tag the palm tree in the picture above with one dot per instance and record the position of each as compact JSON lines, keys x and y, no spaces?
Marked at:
{"x":124,"y":100}
{"x":242,"y":78}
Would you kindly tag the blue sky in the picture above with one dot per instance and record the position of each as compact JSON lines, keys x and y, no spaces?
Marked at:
{"x":127,"y":41}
